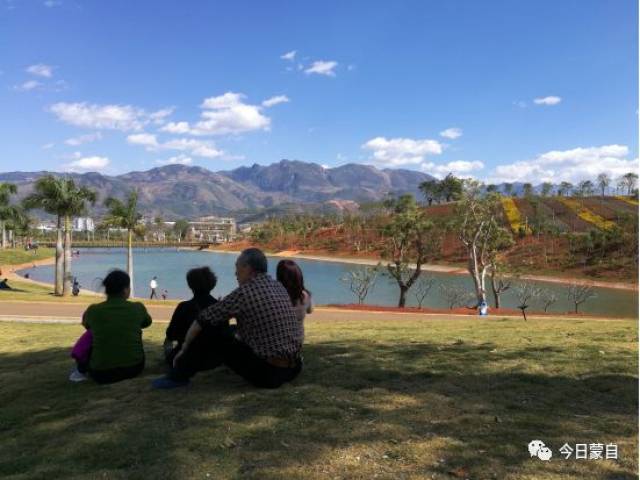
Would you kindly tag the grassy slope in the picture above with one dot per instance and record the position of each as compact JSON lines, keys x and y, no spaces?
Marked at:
{"x":18,"y":255}
{"x":394,"y":399}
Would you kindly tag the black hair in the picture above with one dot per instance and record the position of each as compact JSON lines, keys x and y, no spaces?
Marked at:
{"x":255,"y":259}
{"x":116,"y":282}
{"x":201,"y":280}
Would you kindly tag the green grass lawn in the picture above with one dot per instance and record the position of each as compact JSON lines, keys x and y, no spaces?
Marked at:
{"x":25,"y":291}
{"x":389,"y":399}
{"x":16,"y":256}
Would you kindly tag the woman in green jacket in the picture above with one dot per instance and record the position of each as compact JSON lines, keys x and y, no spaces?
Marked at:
{"x":114,"y":335}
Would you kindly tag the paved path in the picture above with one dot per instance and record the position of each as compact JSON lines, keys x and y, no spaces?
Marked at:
{"x":30,"y":312}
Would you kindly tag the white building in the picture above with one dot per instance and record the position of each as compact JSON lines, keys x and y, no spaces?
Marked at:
{"x":212,"y":229}
{"x":83,"y":224}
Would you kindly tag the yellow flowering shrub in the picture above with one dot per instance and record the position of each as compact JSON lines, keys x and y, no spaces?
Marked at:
{"x":513,"y":214}
{"x":629,"y":200}
{"x":586,"y":214}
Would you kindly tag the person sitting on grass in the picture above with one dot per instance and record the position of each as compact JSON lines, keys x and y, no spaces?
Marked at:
{"x":266,"y":347}
{"x":201,"y":281}
{"x":111,"y":349}
{"x":289,"y":274}
{"x":4,"y":285}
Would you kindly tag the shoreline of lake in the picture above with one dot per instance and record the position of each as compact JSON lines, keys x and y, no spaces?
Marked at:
{"x":293,"y":254}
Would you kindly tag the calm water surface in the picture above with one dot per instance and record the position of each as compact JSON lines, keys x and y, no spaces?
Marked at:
{"x":322,"y":278}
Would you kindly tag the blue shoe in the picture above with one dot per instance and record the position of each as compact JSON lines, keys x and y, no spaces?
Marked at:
{"x":166,"y":383}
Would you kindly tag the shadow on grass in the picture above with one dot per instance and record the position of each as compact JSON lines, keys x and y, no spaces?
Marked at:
{"x":358,"y":410}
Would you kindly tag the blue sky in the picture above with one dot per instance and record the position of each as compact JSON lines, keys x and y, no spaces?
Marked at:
{"x":497,"y":90}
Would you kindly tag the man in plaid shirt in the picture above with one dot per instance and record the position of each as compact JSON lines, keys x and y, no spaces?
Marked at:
{"x":264,"y":348}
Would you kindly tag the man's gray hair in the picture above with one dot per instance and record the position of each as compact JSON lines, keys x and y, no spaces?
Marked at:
{"x":254,"y":258}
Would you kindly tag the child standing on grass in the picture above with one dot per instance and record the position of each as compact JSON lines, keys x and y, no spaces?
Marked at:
{"x":111,"y":349}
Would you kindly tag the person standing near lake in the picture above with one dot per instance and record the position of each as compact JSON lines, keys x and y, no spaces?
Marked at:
{"x":289,"y":274}
{"x":201,"y":281}
{"x":266,"y":347}
{"x":153,"y":285}
{"x":111,"y":349}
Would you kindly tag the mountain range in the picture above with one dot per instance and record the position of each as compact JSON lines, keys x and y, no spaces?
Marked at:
{"x":181,"y":191}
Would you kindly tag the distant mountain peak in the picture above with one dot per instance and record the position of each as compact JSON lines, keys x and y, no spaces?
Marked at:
{"x":175,"y":191}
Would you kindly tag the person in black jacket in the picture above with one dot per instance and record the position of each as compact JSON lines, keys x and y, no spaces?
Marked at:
{"x":201,"y":281}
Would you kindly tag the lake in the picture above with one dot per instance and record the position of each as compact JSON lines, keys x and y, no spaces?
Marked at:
{"x":321,"y":278}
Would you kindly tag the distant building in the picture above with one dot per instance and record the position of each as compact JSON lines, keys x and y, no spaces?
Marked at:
{"x":83,"y":224}
{"x":212,"y":229}
{"x":46,"y":227}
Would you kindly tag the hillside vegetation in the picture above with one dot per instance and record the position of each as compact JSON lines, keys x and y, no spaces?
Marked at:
{"x":594,"y":237}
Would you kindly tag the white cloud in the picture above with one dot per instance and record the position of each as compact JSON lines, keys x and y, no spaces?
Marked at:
{"x":289,"y":55}
{"x":111,"y":117}
{"x":176,"y":127}
{"x":52,"y":3}
{"x":27,"y":86}
{"x":228,"y":114}
{"x":551,"y":100}
{"x":520,"y":104}
{"x":270,"y":102}
{"x":94,"y":163}
{"x":79,"y":140}
{"x":197,"y":148}
{"x":47,"y":146}
{"x":40,"y":70}
{"x":158,"y":117}
{"x":322,"y":67}
{"x":395,"y":152}
{"x":181,"y":159}
{"x":451,"y":133}
{"x":458,"y":168}
{"x":144,"y":139}
{"x":568,"y":165}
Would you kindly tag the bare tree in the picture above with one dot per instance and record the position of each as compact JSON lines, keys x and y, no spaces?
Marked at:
{"x":422,"y":288}
{"x":578,"y":294}
{"x":603,"y":182}
{"x":361,"y":281}
{"x":548,"y":298}
{"x":525,"y":293}
{"x":499,"y":284}
{"x":455,"y":295}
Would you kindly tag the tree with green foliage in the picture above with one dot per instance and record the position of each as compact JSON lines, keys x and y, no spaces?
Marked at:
{"x":431,"y":190}
{"x":410,"y":238}
{"x":7,"y":211}
{"x":546,"y":189}
{"x":564,"y":189}
{"x":451,"y":187}
{"x":63,"y":198}
{"x":125,"y":215}
{"x":479,"y":226}
{"x":584,"y":188}
{"x":181,"y":228}
{"x":527,"y":189}
{"x":508,"y":189}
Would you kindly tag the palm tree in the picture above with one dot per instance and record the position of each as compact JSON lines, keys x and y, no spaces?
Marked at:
{"x":125,"y":215}
{"x":7,"y":211}
{"x":62,"y":198}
